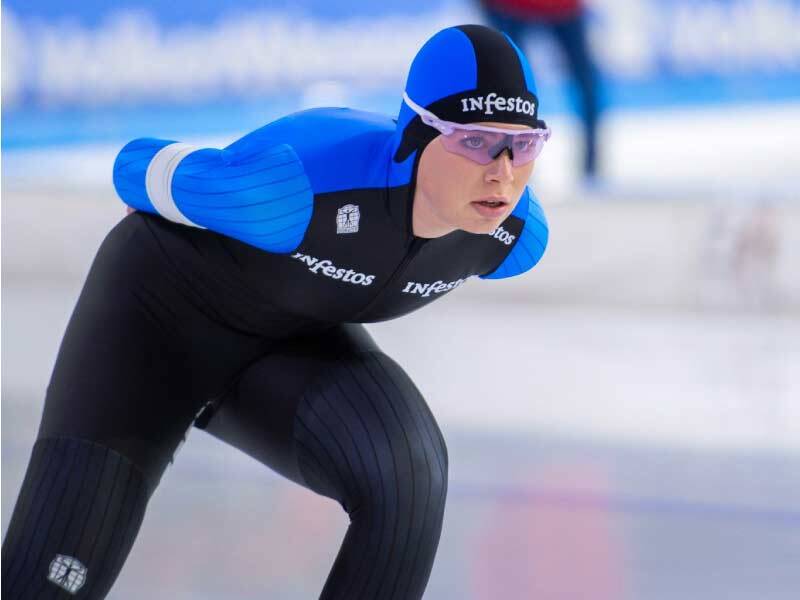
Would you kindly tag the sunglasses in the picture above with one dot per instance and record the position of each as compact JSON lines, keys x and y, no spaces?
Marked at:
{"x":483,"y":144}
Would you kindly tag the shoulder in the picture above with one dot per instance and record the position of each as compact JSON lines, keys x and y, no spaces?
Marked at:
{"x":339,"y":148}
{"x":529,"y":247}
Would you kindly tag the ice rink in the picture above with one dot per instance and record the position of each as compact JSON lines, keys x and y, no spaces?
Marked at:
{"x":622,"y":422}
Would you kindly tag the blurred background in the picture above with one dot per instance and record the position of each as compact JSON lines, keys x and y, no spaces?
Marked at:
{"x":622,"y":422}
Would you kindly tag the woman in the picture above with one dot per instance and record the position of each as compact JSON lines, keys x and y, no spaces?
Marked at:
{"x":232,"y":300}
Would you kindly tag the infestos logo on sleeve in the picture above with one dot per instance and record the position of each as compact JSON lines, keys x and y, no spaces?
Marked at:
{"x":426,"y":289}
{"x":328,"y":269}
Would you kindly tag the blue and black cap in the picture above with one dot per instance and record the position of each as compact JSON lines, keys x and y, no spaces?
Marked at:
{"x":467,"y":74}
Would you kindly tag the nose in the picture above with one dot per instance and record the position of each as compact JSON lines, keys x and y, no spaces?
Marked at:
{"x":501,"y":169}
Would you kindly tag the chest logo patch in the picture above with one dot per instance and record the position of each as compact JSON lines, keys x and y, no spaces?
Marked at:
{"x":67,"y":572}
{"x":347,"y":218}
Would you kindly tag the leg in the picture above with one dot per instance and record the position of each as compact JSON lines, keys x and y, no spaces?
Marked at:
{"x":118,"y":404}
{"x":571,"y":36}
{"x":338,"y":416}
{"x":79,"y":509}
{"x":513,"y":27}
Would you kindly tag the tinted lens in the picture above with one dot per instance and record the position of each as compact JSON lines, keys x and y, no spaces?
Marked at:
{"x":483,"y":147}
{"x":526,"y":147}
{"x":475,"y":145}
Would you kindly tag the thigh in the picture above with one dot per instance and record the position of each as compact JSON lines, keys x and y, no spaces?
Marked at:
{"x":258,"y":414}
{"x":334,"y":414}
{"x":127,"y":376}
{"x":570,"y":34}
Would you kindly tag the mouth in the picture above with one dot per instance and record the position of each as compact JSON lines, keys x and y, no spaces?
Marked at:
{"x":491,"y":207}
{"x":492,"y":202}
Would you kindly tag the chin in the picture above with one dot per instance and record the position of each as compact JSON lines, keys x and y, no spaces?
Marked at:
{"x":482,"y":226}
{"x":472,"y":222}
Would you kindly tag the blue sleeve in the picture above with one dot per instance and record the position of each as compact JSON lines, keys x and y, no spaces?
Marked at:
{"x":531,"y":243}
{"x":255,"y":192}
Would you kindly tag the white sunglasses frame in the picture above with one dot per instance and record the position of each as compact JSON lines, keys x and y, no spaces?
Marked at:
{"x":448,"y":127}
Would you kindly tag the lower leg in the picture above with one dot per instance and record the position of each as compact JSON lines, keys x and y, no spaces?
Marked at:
{"x":366,"y":438}
{"x":572,"y":37}
{"x":75,"y":521}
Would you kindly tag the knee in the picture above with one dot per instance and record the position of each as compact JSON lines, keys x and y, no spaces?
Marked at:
{"x":368,"y":439}
{"x":408,"y":481}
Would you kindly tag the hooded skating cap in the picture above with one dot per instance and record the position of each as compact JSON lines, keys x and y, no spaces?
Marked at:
{"x":467,"y":74}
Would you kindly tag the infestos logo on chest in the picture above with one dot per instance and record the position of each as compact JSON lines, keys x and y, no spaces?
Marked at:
{"x":426,"y":289}
{"x":328,"y":269}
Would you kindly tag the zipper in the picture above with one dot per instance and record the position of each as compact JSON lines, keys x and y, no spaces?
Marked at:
{"x":413,"y":249}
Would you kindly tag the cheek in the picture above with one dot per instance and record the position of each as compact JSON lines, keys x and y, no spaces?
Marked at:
{"x":521,"y":177}
{"x":460,"y":180}
{"x":453,"y":182}
{"x":523,"y":174}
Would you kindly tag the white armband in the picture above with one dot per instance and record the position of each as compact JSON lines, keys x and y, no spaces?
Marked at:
{"x":158,"y":181}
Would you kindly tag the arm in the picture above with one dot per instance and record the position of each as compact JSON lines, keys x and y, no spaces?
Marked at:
{"x":530,"y":245}
{"x":255,"y":192}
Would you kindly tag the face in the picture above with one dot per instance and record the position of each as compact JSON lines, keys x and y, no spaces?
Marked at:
{"x":453,"y":192}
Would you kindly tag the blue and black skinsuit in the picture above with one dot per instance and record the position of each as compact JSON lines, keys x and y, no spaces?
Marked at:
{"x":233,"y":299}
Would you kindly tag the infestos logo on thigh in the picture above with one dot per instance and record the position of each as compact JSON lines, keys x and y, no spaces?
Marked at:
{"x":328,"y":269}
